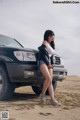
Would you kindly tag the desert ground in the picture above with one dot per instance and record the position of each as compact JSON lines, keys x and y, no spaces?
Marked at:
{"x":25,"y":105}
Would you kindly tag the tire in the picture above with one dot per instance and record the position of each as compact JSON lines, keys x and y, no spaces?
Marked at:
{"x":38,"y":89}
{"x":6,"y":87}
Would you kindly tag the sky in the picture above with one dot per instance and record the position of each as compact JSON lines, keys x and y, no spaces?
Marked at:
{"x":27,"y":20}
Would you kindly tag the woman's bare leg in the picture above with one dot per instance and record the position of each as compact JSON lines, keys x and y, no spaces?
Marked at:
{"x":46,"y":73}
{"x":51,"y":92}
{"x":50,"y":88}
{"x":47,"y":84}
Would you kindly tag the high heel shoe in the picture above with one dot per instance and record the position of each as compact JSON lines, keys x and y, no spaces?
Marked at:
{"x":54,"y":102}
{"x":42,"y":99}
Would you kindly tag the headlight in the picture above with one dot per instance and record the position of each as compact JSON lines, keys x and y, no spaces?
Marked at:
{"x":62,"y":61}
{"x":25,"y":56}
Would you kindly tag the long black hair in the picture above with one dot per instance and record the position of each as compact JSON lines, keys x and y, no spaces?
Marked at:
{"x":47,"y":34}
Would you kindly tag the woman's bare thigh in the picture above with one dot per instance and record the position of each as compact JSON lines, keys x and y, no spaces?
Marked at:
{"x":45,"y":71}
{"x":51,"y":72}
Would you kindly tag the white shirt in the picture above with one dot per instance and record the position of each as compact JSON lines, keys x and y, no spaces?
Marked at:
{"x":49,"y":49}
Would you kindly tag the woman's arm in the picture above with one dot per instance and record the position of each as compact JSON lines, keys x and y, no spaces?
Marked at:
{"x":48,"y":47}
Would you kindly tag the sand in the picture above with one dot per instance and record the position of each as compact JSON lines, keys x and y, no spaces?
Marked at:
{"x":25,"y":105}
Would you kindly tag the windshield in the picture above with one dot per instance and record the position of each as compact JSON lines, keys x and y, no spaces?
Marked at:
{"x":9,"y":42}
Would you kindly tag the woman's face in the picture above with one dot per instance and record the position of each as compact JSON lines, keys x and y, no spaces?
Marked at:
{"x":51,"y":38}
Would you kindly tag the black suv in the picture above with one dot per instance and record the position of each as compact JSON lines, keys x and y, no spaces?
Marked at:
{"x":18,"y":67}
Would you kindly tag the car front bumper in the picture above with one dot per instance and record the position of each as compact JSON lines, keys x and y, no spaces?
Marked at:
{"x":30,"y":74}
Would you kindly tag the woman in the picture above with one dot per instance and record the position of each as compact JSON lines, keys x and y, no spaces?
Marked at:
{"x":45,"y":57}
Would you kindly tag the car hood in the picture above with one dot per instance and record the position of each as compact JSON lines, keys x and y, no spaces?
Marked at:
{"x":18,"y":49}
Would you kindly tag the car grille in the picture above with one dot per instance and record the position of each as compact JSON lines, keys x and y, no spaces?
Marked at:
{"x":57,"y":60}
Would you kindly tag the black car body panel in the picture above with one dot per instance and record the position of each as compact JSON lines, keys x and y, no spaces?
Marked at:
{"x":26,"y":71}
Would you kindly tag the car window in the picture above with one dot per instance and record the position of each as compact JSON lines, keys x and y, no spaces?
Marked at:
{"x":9,"y":42}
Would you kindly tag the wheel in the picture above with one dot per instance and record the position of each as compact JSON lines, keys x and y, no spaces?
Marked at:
{"x":6,"y":87}
{"x":38,"y":89}
{"x":54,"y":85}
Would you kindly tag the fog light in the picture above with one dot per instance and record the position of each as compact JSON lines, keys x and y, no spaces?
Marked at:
{"x":29,"y":73}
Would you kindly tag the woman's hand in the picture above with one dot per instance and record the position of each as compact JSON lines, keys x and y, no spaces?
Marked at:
{"x":50,"y":66}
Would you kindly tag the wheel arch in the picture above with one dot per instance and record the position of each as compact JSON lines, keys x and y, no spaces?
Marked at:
{"x":3,"y":63}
